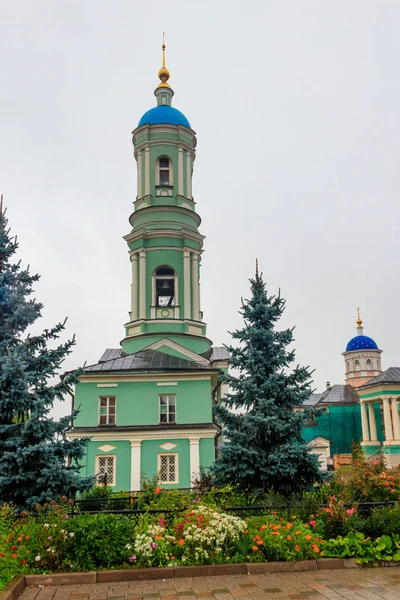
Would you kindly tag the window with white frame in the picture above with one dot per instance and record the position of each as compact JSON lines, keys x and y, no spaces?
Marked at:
{"x":369,"y":364}
{"x":107,"y":410}
{"x":164,"y":175}
{"x":105,"y":470}
{"x":167,"y":408}
{"x":168,"y":468}
{"x":165,"y":286}
{"x":357,"y":365}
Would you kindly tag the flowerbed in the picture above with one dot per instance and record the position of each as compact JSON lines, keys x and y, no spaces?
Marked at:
{"x":199,"y":532}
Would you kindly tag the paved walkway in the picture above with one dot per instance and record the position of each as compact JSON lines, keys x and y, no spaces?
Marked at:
{"x":351,"y":584}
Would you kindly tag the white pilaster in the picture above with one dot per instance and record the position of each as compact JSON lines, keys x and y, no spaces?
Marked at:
{"x":194,"y":458}
{"x":180,"y":171}
{"x":188,"y":176}
{"x":142,"y":288}
{"x":195,"y":287}
{"x":364,"y":422}
{"x":134,"y":286}
{"x":372,"y":422}
{"x":147,"y":171}
{"x":387,"y":419}
{"x":186,"y":284}
{"x":395,"y":419}
{"x":136,"y":451}
{"x":139,"y":175}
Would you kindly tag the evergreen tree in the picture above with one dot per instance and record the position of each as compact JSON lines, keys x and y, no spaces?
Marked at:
{"x":263,"y":446}
{"x":34,"y":450}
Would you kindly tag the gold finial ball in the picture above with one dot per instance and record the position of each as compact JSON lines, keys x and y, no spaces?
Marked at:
{"x":163,"y":74}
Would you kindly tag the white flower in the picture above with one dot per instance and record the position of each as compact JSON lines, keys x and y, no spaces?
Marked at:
{"x":128,"y":546}
{"x":48,"y":550}
{"x":46,"y":525}
{"x":71,"y":534}
{"x":37,"y":558}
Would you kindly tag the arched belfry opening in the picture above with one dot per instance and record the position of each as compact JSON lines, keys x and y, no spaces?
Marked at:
{"x":165,"y":286}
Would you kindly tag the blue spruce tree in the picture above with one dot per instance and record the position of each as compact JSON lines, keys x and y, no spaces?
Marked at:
{"x":263,"y":447}
{"x":37,"y":462}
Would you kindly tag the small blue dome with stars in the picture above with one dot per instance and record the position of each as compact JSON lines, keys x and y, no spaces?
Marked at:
{"x":361,"y":342}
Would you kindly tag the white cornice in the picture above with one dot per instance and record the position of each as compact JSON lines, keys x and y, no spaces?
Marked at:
{"x":164,"y":376}
{"x":132,"y":436}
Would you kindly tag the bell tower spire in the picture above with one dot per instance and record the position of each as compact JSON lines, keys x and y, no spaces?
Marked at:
{"x":163,"y":91}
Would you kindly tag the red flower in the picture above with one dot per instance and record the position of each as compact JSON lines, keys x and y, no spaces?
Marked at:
{"x":181,"y":542}
{"x":14,"y":555}
{"x":24,"y":562}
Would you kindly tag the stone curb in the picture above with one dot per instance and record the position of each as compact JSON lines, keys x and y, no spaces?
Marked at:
{"x":14,"y":589}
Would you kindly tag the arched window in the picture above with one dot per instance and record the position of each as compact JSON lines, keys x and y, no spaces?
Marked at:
{"x":165,"y":286}
{"x":357,"y":365}
{"x":369,"y":364}
{"x":164,"y":171}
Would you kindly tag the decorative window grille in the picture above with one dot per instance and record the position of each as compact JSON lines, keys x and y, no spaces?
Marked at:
{"x":106,"y":470}
{"x":107,"y":410}
{"x":167,"y":409}
{"x":168,"y":468}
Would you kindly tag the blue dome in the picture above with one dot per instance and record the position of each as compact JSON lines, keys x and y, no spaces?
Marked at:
{"x":164,"y":114}
{"x":361,"y":342}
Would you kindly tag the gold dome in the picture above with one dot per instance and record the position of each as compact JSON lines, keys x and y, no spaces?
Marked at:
{"x":163,"y":73}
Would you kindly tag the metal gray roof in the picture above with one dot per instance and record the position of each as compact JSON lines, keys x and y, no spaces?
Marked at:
{"x":339,"y":394}
{"x":312,"y":400}
{"x":146,"y":360}
{"x":219,"y":353}
{"x":110,"y":354}
{"x":391,"y":375}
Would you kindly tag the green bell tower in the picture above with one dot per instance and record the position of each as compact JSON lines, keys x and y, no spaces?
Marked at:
{"x":165,"y":244}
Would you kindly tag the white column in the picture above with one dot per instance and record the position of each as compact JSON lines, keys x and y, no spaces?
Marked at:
{"x":180,"y":171}
{"x":372,"y":422}
{"x":139,"y":175}
{"x":142,"y":289}
{"x":147,"y":171}
{"x":176,"y":292}
{"x":395,"y":419}
{"x":387,"y":419}
{"x":194,"y":458}
{"x":186,"y":283}
{"x":188,"y":176}
{"x":136,"y":450}
{"x":134,"y":286}
{"x":364,"y":422}
{"x":195,"y":287}
{"x":153,"y":308}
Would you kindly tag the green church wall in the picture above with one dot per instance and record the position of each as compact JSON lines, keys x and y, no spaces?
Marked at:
{"x":150,"y":451}
{"x":122,"y":453}
{"x":174,"y":219}
{"x":341,"y":425}
{"x":207,"y":451}
{"x":137,"y":402}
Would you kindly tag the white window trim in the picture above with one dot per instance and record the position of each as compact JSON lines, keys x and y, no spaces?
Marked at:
{"x":171,"y":170}
{"x":176,"y":480}
{"x":114,"y":456}
{"x":115,"y":414}
{"x":159,"y":410}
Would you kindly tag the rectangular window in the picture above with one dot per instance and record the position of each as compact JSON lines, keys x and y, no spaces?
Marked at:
{"x":164,"y":177}
{"x":168,"y":468}
{"x":107,"y":410}
{"x":105,"y":470}
{"x":167,"y":409}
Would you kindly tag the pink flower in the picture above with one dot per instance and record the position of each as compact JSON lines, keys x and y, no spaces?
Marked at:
{"x":132,"y":558}
{"x":351,"y":511}
{"x":154,"y":545}
{"x":313,"y":523}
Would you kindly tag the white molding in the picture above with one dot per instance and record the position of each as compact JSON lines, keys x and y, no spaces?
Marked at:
{"x":106,"y":448}
{"x":168,"y":446}
{"x":107,"y":385}
{"x":132,"y":436}
{"x":92,"y":378}
{"x":167,"y":383}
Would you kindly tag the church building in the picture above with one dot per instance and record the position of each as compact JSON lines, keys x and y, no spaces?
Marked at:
{"x":147,"y":406}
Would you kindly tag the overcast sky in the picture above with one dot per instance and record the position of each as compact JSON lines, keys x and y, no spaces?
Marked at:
{"x":296,"y":108}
